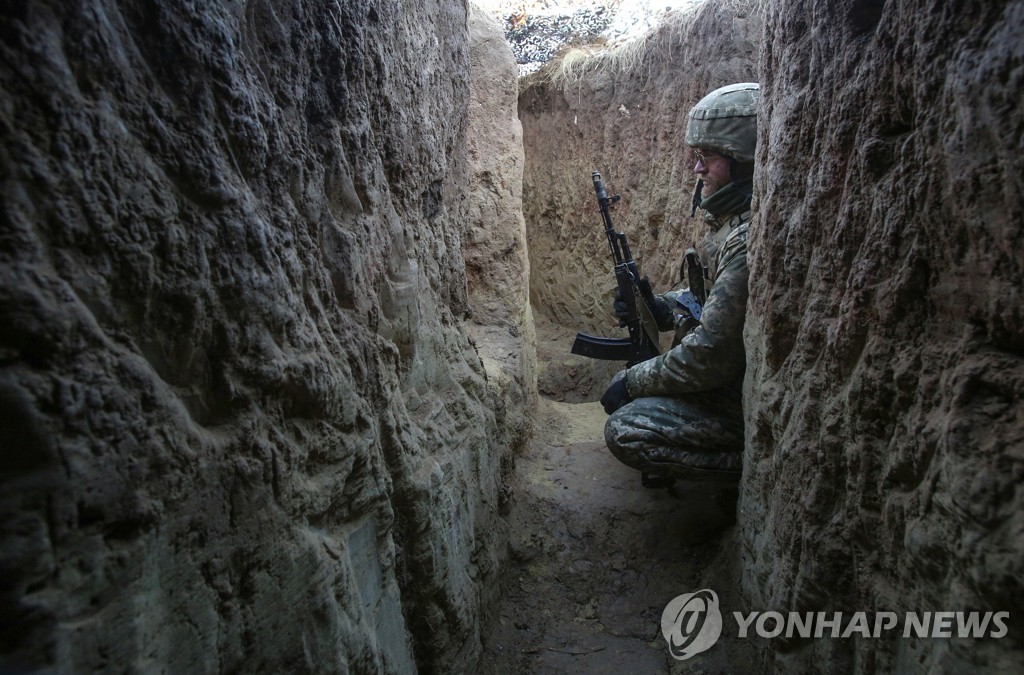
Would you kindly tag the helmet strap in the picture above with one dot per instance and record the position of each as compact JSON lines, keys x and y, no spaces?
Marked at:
{"x":697,"y":199}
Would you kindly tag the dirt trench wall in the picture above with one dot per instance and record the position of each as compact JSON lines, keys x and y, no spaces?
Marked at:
{"x":625,"y":118}
{"x":497,"y":264}
{"x":884,"y":466}
{"x":245,"y":428}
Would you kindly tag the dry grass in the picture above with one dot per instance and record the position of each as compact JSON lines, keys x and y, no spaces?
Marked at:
{"x":575,"y":63}
{"x":637,"y":56}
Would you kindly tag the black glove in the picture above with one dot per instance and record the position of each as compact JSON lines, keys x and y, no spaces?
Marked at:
{"x":659,"y":308}
{"x":617,"y":395}
{"x":619,"y":307}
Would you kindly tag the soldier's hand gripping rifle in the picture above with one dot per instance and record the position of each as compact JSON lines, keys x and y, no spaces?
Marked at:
{"x":642,"y":343}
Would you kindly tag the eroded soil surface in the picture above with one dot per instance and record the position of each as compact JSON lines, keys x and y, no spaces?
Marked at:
{"x":596,"y":557}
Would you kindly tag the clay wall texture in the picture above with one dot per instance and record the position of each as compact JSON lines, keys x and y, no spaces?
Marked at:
{"x":884,"y":467}
{"x":245,"y":427}
{"x":497,"y":264}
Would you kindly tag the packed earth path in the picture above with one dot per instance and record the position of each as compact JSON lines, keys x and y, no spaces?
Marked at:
{"x":595,"y":558}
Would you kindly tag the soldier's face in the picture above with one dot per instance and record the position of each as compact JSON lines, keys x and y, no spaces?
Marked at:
{"x":713,"y":168}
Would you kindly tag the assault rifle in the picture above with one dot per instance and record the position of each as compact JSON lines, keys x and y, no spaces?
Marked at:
{"x":642,"y":343}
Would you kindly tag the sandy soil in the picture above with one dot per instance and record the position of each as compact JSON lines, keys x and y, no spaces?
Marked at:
{"x":596,"y":557}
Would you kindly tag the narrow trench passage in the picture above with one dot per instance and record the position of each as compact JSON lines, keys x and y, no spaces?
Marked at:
{"x":595,"y":557}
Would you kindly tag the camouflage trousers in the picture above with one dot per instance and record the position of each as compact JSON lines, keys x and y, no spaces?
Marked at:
{"x":697,"y":436}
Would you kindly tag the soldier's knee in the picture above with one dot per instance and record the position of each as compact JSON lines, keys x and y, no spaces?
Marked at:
{"x":615,"y":430}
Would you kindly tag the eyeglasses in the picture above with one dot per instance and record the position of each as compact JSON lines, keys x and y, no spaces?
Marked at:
{"x":704,"y":155}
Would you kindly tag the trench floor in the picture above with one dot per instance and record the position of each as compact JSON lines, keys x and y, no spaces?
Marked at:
{"x":595,"y":557}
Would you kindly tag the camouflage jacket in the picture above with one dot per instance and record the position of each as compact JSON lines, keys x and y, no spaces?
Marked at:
{"x":712,"y":354}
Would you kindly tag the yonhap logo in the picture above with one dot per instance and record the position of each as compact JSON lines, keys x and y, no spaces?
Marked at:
{"x":691,"y":623}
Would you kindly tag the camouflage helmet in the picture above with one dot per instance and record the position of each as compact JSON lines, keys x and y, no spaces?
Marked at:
{"x":725,"y":121}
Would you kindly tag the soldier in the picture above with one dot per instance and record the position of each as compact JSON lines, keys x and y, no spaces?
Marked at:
{"x":679,"y":414}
